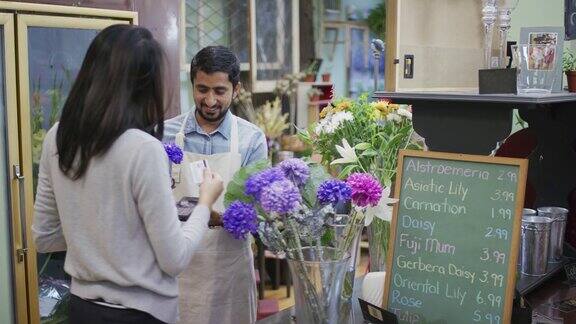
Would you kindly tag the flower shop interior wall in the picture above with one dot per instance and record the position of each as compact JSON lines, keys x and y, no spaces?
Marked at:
{"x":534,"y":13}
{"x":444,"y":60}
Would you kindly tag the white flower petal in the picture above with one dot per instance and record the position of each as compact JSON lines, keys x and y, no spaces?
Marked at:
{"x":346,"y":145}
{"x":383,"y":210}
{"x":369,"y":217}
{"x":349,"y":150}
{"x":340,"y":161}
{"x":347,"y":153}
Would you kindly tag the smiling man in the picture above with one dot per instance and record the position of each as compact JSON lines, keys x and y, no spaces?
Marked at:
{"x":219,"y":284}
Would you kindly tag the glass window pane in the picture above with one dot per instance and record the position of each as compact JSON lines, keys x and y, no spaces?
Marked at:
{"x":273,"y":38}
{"x":6,"y":306}
{"x":361,"y":79}
{"x":334,"y":50}
{"x":217,"y":22}
{"x":54,"y":59}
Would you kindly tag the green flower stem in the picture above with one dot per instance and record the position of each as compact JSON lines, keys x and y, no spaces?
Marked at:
{"x":309,"y":288}
{"x":296,"y":239}
{"x":349,"y":232}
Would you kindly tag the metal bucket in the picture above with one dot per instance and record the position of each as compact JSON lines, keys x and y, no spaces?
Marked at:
{"x":535,"y":240}
{"x":557,"y":230}
{"x":525,"y":212}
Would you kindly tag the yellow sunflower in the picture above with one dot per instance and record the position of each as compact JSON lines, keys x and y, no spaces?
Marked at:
{"x":381,"y":109}
{"x":326,"y":110}
{"x":343,"y":105}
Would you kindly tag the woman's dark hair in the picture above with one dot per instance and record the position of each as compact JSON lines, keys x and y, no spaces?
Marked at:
{"x":213,"y":59}
{"x":118,"y":87}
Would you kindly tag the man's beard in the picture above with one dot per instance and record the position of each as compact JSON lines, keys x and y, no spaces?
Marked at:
{"x":212,"y":117}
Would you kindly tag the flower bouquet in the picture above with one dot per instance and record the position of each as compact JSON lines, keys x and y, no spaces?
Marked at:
{"x":291,"y":207}
{"x":362,"y":136}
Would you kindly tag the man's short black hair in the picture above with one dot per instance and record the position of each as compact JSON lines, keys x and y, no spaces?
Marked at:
{"x":213,"y":59}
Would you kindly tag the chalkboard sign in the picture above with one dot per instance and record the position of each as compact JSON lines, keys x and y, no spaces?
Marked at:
{"x":454,"y":238}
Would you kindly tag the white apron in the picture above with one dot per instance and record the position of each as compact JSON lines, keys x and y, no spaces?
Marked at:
{"x":219,"y":285}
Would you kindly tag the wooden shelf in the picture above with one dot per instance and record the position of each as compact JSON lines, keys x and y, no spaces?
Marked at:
{"x":468,"y":96}
{"x":319,"y":102}
{"x":322,"y":84}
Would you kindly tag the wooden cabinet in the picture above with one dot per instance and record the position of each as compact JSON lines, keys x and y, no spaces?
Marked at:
{"x":43,"y":47}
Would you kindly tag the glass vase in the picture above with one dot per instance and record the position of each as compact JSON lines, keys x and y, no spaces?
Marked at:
{"x":378,"y":237}
{"x":318,"y":274}
{"x":346,"y":237}
{"x":536,"y":68}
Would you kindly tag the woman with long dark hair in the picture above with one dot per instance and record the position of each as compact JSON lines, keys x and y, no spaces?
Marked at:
{"x":104,"y":188}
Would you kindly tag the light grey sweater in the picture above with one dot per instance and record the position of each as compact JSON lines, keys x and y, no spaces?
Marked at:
{"x":118,"y":224}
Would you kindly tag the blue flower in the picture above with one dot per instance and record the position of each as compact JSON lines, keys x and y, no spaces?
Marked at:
{"x":281,"y":197}
{"x":240,"y":219}
{"x":258,"y":181}
{"x":174,"y":152}
{"x":295,"y":170}
{"x":333,"y":191}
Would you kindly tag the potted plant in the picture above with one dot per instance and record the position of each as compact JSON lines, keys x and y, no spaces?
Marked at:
{"x":311,"y":70}
{"x":569,"y":67}
{"x":314,"y":94}
{"x":273,"y":123}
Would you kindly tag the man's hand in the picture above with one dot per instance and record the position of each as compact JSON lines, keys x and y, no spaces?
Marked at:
{"x":215,"y":219}
{"x":210,"y":188}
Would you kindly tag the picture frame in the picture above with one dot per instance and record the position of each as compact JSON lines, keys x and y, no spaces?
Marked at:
{"x":548,"y":47}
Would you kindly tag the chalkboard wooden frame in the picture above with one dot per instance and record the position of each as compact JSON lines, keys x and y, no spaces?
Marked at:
{"x":522,"y":165}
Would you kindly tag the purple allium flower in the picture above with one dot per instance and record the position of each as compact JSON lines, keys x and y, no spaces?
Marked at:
{"x":258,"y":181}
{"x":333,"y":191}
{"x":366,"y":190}
{"x":295,"y":170}
{"x":240,"y":219}
{"x":281,"y":197}
{"x":309,"y":223}
{"x":174,"y":152}
{"x":270,"y":236}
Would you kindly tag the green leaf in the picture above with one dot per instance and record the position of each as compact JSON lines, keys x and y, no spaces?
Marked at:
{"x":388,"y":183}
{"x":235,"y":188}
{"x":304,"y":135}
{"x":346,"y":171}
{"x":369,"y":153}
{"x":363,"y":146}
{"x":328,"y":237}
{"x":317,"y":175}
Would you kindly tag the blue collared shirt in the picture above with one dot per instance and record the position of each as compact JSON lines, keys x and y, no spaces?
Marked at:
{"x":251,"y":140}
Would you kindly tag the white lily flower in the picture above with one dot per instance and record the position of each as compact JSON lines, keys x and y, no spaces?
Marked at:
{"x":404,"y":112}
{"x":383,"y":210}
{"x":394,"y":117}
{"x":347,"y":153}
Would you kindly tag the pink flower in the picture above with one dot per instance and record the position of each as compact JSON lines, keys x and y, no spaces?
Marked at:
{"x":366,"y":190}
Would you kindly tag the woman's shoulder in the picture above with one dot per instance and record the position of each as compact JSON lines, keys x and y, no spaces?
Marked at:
{"x":136,"y":138}
{"x":49,"y":141}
